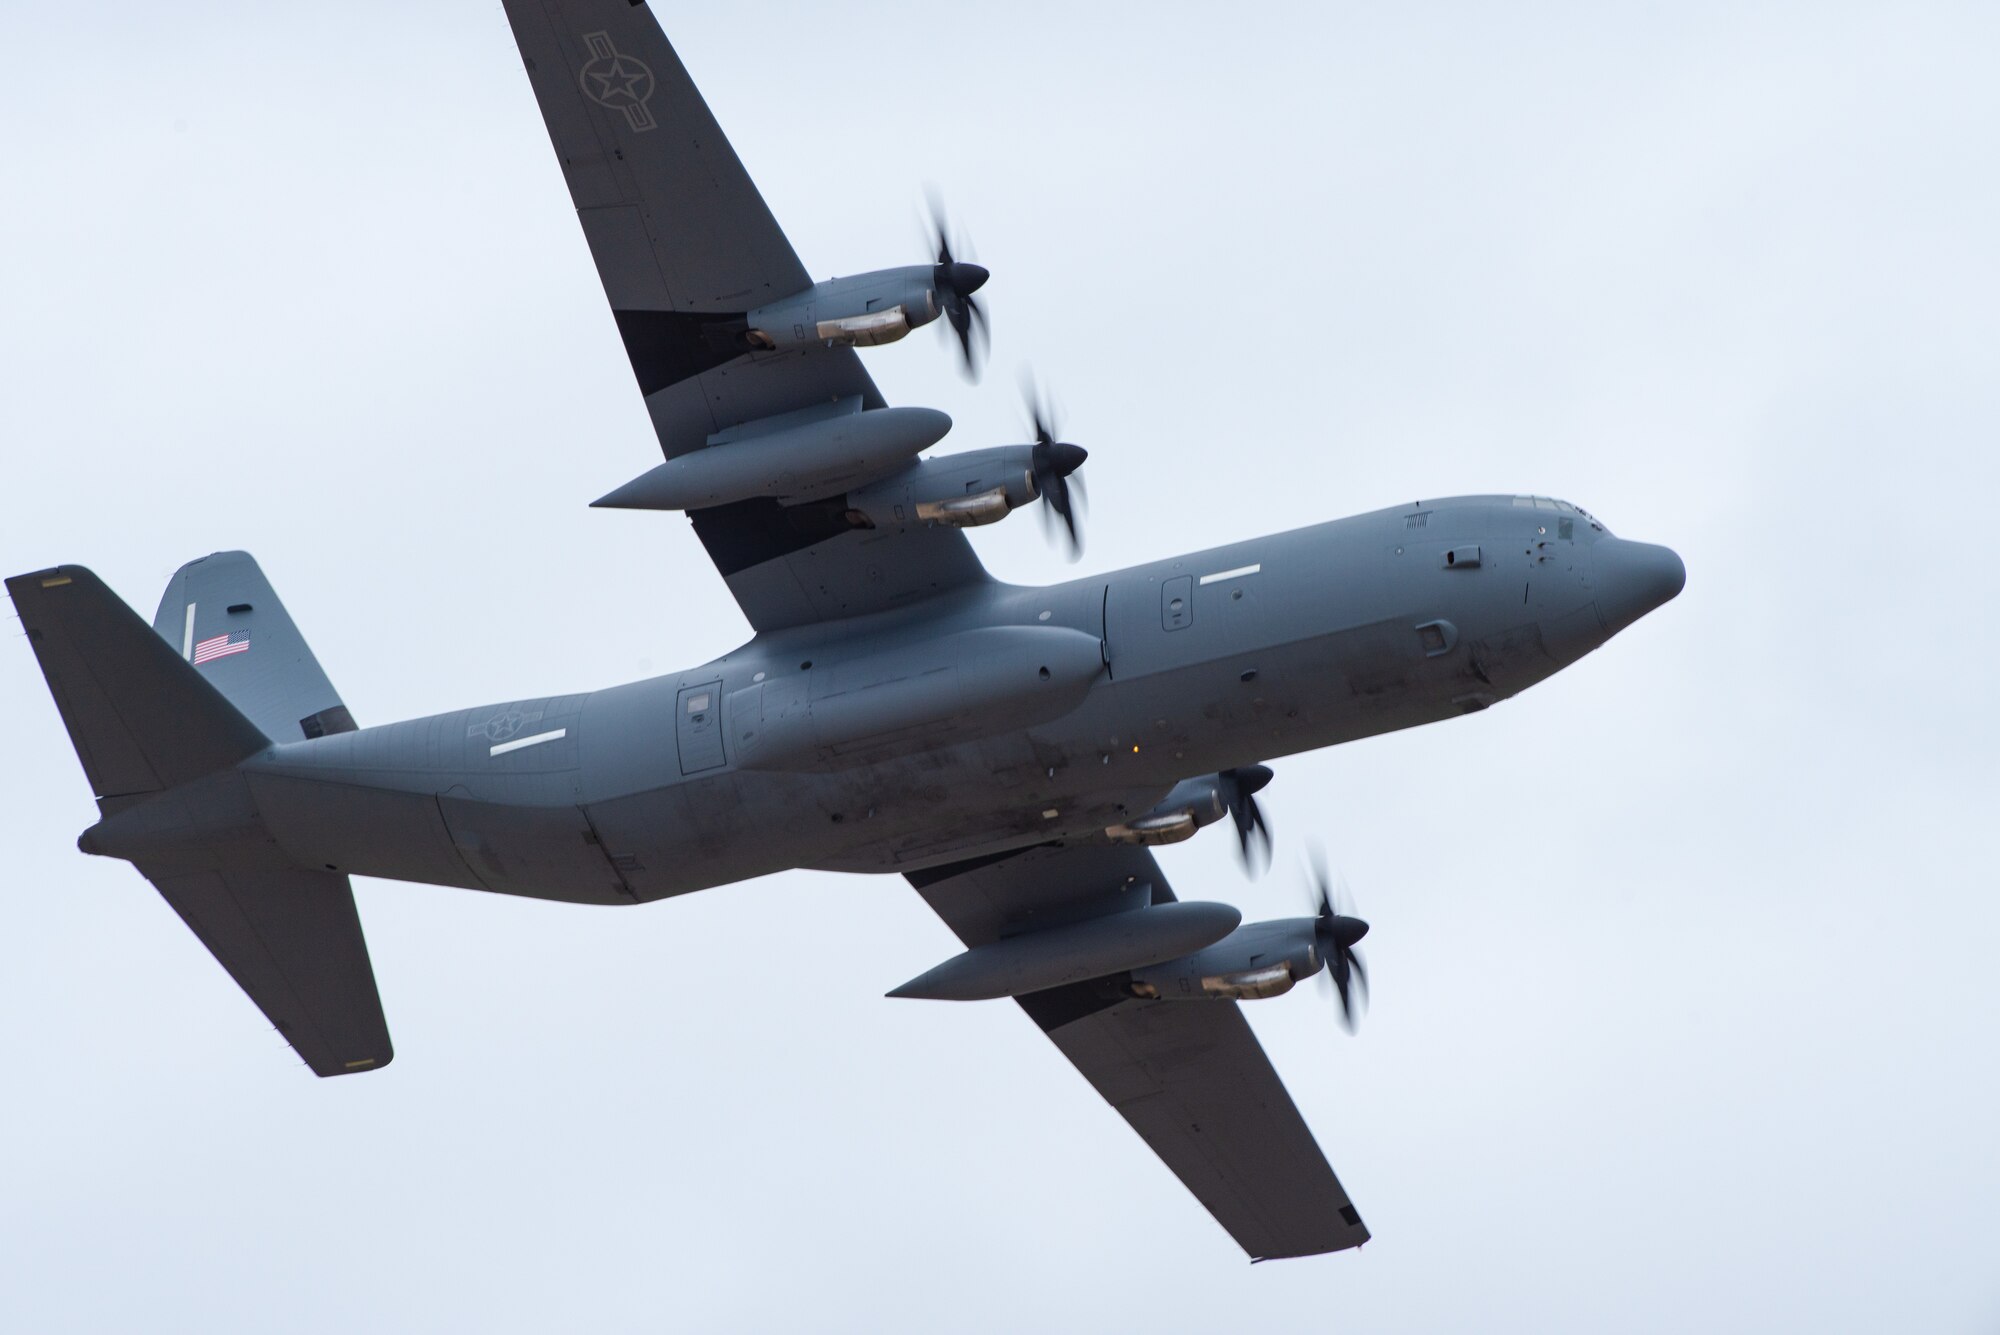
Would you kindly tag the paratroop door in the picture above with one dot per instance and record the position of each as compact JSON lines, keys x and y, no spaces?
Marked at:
{"x":699,"y":726}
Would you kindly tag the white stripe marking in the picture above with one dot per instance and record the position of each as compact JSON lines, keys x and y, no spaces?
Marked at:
{"x":520,"y":742}
{"x":187,"y":636}
{"x":1231,"y":574}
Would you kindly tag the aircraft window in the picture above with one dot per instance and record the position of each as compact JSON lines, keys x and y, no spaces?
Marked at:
{"x":1560,"y":507}
{"x":697,"y":703}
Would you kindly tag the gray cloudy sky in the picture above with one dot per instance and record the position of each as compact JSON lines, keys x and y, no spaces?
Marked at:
{"x":1685,"y":1009}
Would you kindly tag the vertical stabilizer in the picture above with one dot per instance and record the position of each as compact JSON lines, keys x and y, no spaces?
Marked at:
{"x":222,"y":615}
{"x":160,"y":735}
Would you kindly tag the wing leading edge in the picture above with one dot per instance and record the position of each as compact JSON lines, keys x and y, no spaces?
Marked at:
{"x":1189,"y":1077}
{"x":685,"y":246}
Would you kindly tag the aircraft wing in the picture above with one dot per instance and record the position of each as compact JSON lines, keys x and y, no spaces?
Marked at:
{"x":685,"y":246}
{"x":1189,"y":1076}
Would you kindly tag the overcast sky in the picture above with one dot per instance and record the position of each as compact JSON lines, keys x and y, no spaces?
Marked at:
{"x":1685,"y":1007}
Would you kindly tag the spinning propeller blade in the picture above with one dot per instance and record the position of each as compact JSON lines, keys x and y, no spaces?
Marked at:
{"x":955,"y":281}
{"x":1239,"y":790}
{"x":1052,"y":464}
{"x":1334,"y":935}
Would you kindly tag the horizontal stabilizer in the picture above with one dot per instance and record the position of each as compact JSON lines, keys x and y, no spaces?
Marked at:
{"x":142,"y":718}
{"x":291,"y":939}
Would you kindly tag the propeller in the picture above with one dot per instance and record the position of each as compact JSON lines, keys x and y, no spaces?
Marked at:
{"x":955,"y":281}
{"x":1052,"y":463}
{"x":1334,"y":936}
{"x":1239,"y":790}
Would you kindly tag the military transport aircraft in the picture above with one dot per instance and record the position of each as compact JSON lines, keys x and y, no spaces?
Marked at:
{"x":1014,"y":752}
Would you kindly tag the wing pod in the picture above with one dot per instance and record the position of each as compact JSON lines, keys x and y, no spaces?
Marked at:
{"x":1071,"y":954}
{"x":792,"y":458}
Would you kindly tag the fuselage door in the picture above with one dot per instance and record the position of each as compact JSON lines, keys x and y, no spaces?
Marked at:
{"x":698,"y":723}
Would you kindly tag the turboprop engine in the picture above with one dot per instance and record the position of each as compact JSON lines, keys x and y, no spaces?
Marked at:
{"x":1266,"y":959}
{"x":1259,"y":959}
{"x":1203,"y":800}
{"x":965,"y":490}
{"x":862,"y":310}
{"x":865,"y":310}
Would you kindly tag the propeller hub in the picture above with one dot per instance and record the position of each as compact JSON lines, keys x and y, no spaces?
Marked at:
{"x":1254,"y":778}
{"x":961,"y":277}
{"x":1062,"y":458}
{"x":1347,"y":931}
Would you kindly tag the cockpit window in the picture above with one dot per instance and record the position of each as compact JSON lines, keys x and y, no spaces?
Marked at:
{"x":1560,"y":507}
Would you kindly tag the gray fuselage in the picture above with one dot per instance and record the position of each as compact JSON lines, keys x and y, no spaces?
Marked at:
{"x":990,"y":719}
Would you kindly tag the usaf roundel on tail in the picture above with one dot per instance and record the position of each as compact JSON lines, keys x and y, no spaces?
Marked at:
{"x":1068,"y":728}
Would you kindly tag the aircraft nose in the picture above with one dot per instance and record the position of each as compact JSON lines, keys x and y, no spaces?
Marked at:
{"x":1633,"y":578}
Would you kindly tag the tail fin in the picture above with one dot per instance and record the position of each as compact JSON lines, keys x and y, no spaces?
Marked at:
{"x":160,"y":744}
{"x":143,"y":719}
{"x":227,"y":619}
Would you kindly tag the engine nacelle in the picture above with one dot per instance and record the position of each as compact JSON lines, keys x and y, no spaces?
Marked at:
{"x":1192,"y":804}
{"x":958,"y":490}
{"x":1258,"y":959}
{"x":859,"y":311}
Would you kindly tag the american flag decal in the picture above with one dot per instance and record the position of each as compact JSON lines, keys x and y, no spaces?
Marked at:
{"x":221,"y":646}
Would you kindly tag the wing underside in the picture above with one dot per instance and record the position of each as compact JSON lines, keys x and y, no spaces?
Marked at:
{"x":1189,"y":1076}
{"x":685,"y":247}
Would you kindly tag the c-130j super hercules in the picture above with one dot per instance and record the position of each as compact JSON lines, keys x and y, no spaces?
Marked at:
{"x":1012,"y":751}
